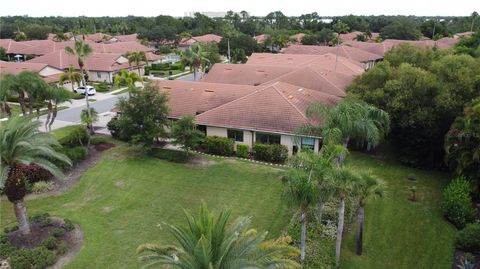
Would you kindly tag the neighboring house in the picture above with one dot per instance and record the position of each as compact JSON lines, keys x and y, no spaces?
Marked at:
{"x":261,"y":38}
{"x":298,"y":38}
{"x":12,"y":49}
{"x":100,"y":66}
{"x":353,"y":36}
{"x":48,"y":73}
{"x":244,"y":74}
{"x":327,"y":61}
{"x":248,"y":114}
{"x":124,"y":38}
{"x":187,"y":42}
{"x":367,"y":58}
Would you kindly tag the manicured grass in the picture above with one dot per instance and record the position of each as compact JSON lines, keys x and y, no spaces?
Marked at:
{"x":15,"y":109}
{"x":123,"y":201}
{"x":399,"y":233}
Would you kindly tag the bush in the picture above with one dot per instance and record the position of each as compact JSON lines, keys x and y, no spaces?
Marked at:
{"x":62,"y":248}
{"x":99,"y":140}
{"x":34,"y":173}
{"x":68,"y":225}
{"x":50,"y":243}
{"x":42,"y":219}
{"x":177,"y":66}
{"x":160,"y":66}
{"x":75,"y":154}
{"x":457,"y":202}
{"x":10,"y":229}
{"x":274,"y":153}
{"x":169,"y":155}
{"x":58,"y":232}
{"x":42,"y":186}
{"x":77,"y":96}
{"x":468,"y":239}
{"x":218,"y":145}
{"x":37,"y":258}
{"x":12,"y":98}
{"x":71,"y":136}
{"x":6,"y":249}
{"x":242,"y":151}
{"x":102,"y":87}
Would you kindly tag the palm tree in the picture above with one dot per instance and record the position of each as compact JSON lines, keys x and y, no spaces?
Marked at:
{"x":214,"y":243}
{"x":350,"y":119}
{"x":301,"y":191}
{"x":368,"y":187}
{"x":6,"y":90}
{"x":71,"y":75}
{"x":125,"y":78}
{"x":60,"y":37}
{"x":88,"y":117}
{"x":195,"y":58}
{"x":344,"y":183}
{"x":55,"y":96}
{"x":81,"y":50}
{"x":22,"y":144}
{"x":137,"y":57}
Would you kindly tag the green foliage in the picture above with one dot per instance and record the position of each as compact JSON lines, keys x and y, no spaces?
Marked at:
{"x":401,"y":28}
{"x":11,"y":228}
{"x":221,"y":243}
{"x":6,"y":249}
{"x":411,"y":54}
{"x":42,"y":186}
{"x":62,"y":248}
{"x":144,"y":116}
{"x":246,"y":43}
{"x":50,"y":243}
{"x":71,"y":136}
{"x":170,"y":155}
{"x":184,"y":132}
{"x":218,"y":145}
{"x":75,"y":154}
{"x":102,"y":87}
{"x":457,"y":202}
{"x":242,"y":151}
{"x":58,"y":232}
{"x":469,"y":45}
{"x":68,"y":225}
{"x":77,"y":96}
{"x":37,"y":258}
{"x":273,"y":153}
{"x":468,"y":239}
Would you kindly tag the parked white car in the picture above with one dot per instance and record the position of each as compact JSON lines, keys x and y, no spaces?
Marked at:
{"x":82,"y":89}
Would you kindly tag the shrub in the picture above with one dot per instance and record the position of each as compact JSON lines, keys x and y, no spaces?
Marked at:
{"x":99,"y":140}
{"x":102,"y":87}
{"x":50,"y":243}
{"x":77,"y":96}
{"x":42,"y":186}
{"x":71,"y":136}
{"x":10,"y":229}
{"x":37,"y":258}
{"x":62,"y":248}
{"x":42,"y":219}
{"x":58,"y":232}
{"x":468,"y":239}
{"x":6,"y":249}
{"x":457,"y":202}
{"x":164,"y":49}
{"x":218,"y":145}
{"x":160,"y":66}
{"x":75,"y":154}
{"x":169,"y":155}
{"x":68,"y":225}
{"x":274,"y":153}
{"x":242,"y":151}
{"x":12,"y":98}
{"x":146,"y":70}
{"x":35,"y":173}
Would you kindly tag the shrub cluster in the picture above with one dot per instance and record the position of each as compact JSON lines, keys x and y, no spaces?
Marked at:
{"x":274,"y":153}
{"x":242,"y":151}
{"x":71,"y":136}
{"x":42,"y":186}
{"x":169,"y":155}
{"x":35,"y":173}
{"x":37,"y":258}
{"x":218,"y":145}
{"x":43,"y":220}
{"x":457,"y":202}
{"x":468,"y":239}
{"x":102,"y":87}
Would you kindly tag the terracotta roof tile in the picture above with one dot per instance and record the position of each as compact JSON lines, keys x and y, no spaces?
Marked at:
{"x":16,"y":68}
{"x":344,"y":51}
{"x":244,"y":74}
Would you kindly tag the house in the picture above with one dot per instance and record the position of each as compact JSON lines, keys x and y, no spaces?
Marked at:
{"x":261,"y":38}
{"x":353,"y":36}
{"x":327,"y":61}
{"x":298,"y":38}
{"x":187,"y":42}
{"x":244,"y":74}
{"x":12,"y":49}
{"x":48,"y":73}
{"x":124,"y":38}
{"x":269,"y":114}
{"x":367,"y":58}
{"x":100,"y":67}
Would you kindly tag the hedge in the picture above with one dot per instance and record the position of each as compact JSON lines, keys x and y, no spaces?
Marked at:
{"x":242,"y":151}
{"x":274,"y":153}
{"x":468,"y":239}
{"x":457,"y":202}
{"x":71,"y":136}
{"x":218,"y":145}
{"x":169,"y":155}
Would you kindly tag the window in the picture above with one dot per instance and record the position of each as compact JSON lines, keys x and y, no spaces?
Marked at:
{"x":236,"y":135}
{"x":308,"y":143}
{"x":202,"y":128}
{"x":267,"y":138}
{"x":99,"y":75}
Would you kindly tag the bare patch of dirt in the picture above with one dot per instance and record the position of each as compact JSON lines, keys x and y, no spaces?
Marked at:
{"x":75,"y":173}
{"x":231,"y":161}
{"x":199,"y":161}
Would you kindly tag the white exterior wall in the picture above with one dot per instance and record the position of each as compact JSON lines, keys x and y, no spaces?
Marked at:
{"x":48,"y":71}
{"x":218,"y":131}
{"x":104,"y":76}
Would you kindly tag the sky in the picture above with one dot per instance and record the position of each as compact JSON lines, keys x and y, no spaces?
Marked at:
{"x":93,"y":8}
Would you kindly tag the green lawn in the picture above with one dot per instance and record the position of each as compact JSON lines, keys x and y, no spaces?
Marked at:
{"x":15,"y":109}
{"x":401,"y":234}
{"x":121,"y":202}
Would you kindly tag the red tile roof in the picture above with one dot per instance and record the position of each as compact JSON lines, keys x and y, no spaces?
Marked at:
{"x":192,"y":98}
{"x":244,"y":74}
{"x":13,"y":47}
{"x":106,"y":62}
{"x":16,"y":68}
{"x":126,"y":38}
{"x":298,"y":37}
{"x":200,"y":39}
{"x":344,"y":51}
{"x":277,"y":108}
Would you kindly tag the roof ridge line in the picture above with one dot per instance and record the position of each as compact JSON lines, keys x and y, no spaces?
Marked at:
{"x":288,"y":101}
{"x":326,"y":78}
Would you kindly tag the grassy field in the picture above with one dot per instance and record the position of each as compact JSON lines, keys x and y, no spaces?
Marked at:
{"x":122,"y":202}
{"x":399,"y":233}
